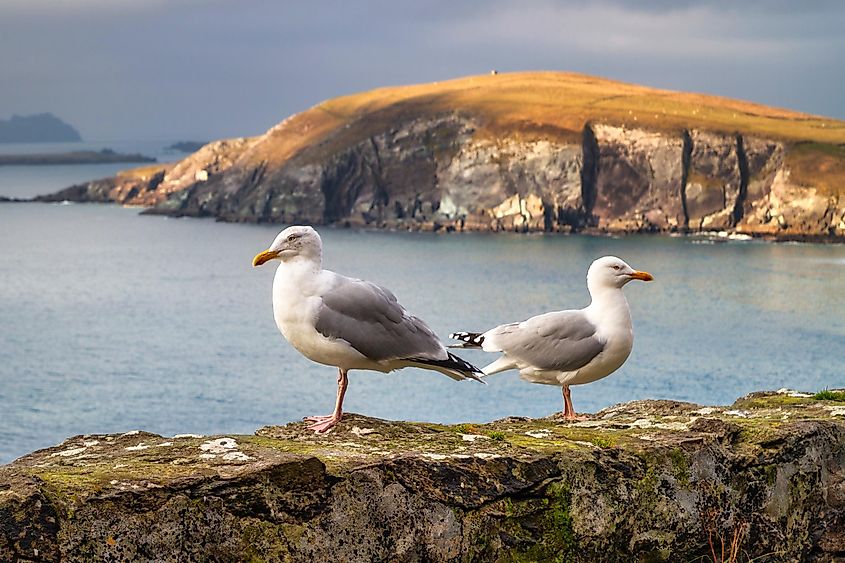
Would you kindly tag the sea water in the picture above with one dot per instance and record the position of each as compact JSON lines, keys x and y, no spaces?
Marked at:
{"x":111,"y":321}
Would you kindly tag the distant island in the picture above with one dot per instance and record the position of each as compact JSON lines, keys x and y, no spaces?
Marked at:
{"x":74,"y":157}
{"x":39,"y":128}
{"x":533,"y":151}
{"x":187,"y":146}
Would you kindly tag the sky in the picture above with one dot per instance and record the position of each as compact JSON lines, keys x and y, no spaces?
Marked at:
{"x":207,"y":69}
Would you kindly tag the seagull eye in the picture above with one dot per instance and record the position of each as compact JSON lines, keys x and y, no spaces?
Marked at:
{"x":616,"y":267}
{"x":292,"y":238}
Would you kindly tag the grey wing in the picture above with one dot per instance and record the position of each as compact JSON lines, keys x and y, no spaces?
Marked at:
{"x":370,"y":318}
{"x":559,"y":341}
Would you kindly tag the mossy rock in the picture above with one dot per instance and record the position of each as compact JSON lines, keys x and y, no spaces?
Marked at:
{"x":642,"y":481}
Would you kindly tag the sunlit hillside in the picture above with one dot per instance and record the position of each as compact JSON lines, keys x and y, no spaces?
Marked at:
{"x":558,"y":105}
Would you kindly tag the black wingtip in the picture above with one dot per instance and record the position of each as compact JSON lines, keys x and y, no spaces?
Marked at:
{"x":467,"y":339}
{"x":455,"y":364}
{"x":466,"y":368}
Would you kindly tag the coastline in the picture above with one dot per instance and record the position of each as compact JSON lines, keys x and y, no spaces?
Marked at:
{"x":710,"y":237}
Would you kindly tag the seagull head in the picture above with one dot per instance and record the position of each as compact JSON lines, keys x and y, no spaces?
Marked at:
{"x":294,"y":242}
{"x":610,"y":271}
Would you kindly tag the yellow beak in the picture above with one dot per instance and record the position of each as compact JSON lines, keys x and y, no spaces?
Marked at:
{"x":262,"y":257}
{"x":637,"y":275}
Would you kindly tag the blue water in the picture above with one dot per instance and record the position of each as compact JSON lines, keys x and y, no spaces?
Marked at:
{"x":110,"y":321}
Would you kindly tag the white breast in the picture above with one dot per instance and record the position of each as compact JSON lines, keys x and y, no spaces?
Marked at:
{"x":612,"y":318}
{"x":296,"y":303}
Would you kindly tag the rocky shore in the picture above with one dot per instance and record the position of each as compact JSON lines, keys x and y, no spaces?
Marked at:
{"x":762,"y":479}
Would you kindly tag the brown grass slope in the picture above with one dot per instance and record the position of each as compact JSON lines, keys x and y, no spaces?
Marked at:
{"x":557,"y":105}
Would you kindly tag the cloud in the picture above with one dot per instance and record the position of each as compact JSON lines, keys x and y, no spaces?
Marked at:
{"x":219,"y":67}
{"x":629,"y":29}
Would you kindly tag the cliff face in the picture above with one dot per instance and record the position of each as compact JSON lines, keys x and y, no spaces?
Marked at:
{"x":647,"y":481}
{"x":458,"y":159}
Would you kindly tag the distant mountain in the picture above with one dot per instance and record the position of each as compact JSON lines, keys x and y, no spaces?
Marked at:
{"x":40,"y":128}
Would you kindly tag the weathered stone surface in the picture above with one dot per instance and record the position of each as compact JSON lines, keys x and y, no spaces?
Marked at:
{"x":513,"y":185}
{"x":424,"y":172}
{"x":714,"y":181}
{"x":790,"y":209}
{"x":643,"y":481}
{"x":640,"y":180}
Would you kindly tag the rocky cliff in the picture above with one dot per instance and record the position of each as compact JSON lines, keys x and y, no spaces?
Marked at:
{"x":541,"y":151}
{"x":763,"y":480}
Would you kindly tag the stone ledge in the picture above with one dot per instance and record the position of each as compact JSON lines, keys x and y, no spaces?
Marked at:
{"x":647,"y":480}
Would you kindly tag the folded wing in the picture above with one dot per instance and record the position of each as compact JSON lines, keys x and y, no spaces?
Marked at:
{"x":560,"y":341}
{"x":372,"y":321}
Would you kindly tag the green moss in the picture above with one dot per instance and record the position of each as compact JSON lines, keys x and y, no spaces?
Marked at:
{"x":647,"y":486}
{"x":558,"y":542}
{"x":556,"y":437}
{"x":552,"y":516}
{"x":288,"y":446}
{"x":826,"y":395}
{"x":680,"y":467}
{"x":72,"y":482}
{"x":496,"y":435}
{"x":603,"y":442}
{"x":464,"y":428}
{"x":562,"y":535}
{"x":521,"y":440}
{"x":770,"y":401}
{"x":771,"y":473}
{"x":262,"y":541}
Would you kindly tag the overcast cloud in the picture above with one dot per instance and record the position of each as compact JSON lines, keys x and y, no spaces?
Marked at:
{"x":206,"y":69}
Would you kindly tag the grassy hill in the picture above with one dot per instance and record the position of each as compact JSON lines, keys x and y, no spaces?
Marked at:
{"x":557,"y":105}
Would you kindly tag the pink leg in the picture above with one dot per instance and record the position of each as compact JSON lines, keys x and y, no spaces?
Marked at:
{"x":568,"y":409}
{"x":564,"y":390}
{"x":325,"y":423}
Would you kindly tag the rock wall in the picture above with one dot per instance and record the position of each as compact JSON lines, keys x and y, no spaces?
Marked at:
{"x":439,"y":172}
{"x":638,"y":186}
{"x":763,"y":479}
{"x":423,"y":174}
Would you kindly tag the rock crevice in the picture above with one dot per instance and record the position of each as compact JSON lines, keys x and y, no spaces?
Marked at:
{"x":686,"y":161}
{"x":589,"y":175}
{"x":742,"y":196}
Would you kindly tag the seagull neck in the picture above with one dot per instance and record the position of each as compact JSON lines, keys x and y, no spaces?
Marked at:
{"x":608,"y":298}
{"x":302,"y":265}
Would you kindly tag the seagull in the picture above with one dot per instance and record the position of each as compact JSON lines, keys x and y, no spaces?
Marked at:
{"x":347,"y":323}
{"x":568,"y":347}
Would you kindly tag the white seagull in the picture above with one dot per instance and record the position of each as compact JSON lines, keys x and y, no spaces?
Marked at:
{"x":568,"y":347}
{"x":347,"y":323}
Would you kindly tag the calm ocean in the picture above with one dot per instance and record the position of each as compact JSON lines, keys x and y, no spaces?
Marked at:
{"x":110,"y":321}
